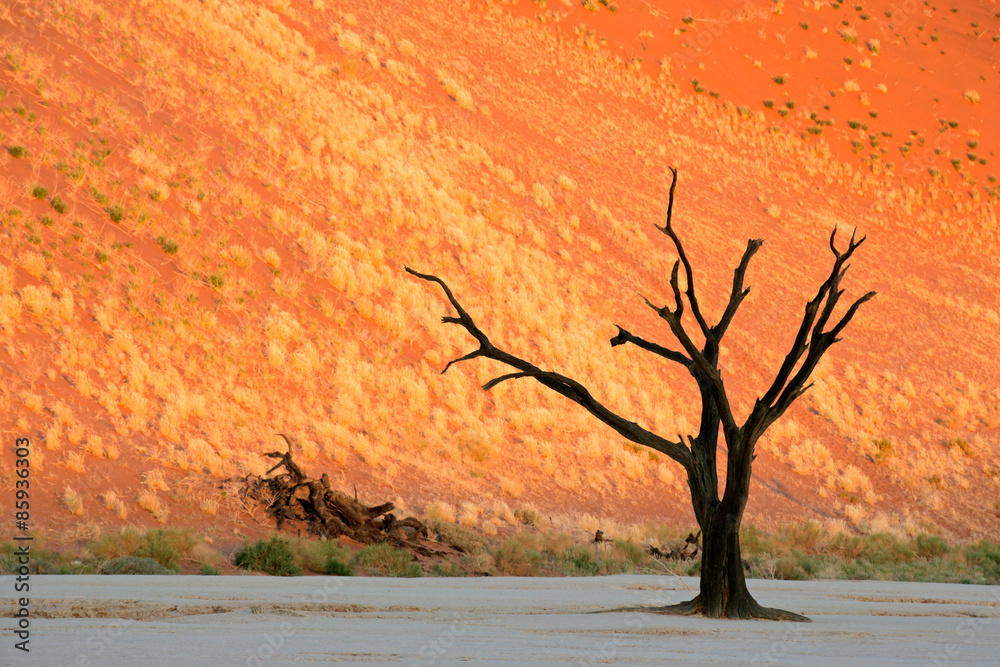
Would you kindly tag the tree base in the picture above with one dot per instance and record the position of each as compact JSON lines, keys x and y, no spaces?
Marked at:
{"x":745,"y":607}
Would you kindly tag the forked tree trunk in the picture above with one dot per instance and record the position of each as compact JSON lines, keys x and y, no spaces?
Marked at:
{"x":724,"y":591}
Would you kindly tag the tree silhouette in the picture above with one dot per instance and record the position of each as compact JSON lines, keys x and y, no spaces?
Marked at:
{"x":723,"y":592}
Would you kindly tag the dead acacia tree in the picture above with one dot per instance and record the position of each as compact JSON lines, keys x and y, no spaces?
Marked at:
{"x":723,"y":592}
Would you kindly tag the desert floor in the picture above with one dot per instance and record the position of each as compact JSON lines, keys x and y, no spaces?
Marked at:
{"x":186,"y":620}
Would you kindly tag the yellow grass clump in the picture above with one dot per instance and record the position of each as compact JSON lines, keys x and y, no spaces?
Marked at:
{"x":33,"y":263}
{"x":6,"y":280}
{"x":239,"y":255}
{"x":154,"y":480}
{"x":209,"y":506}
{"x":10,"y":308}
{"x":114,"y":502}
{"x":37,"y":299}
{"x":150,"y":502}
{"x":441,"y":511}
{"x":271,"y":258}
{"x":71,"y":501}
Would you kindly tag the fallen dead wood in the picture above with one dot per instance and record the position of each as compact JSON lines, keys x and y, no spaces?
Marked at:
{"x":687,"y":552}
{"x":293,"y":496}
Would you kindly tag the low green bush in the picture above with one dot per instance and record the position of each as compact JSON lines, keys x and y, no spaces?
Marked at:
{"x":388,"y":560}
{"x":582,"y":560}
{"x":133,"y":565}
{"x":315,"y":555}
{"x":167,"y":546}
{"x":929,"y":546}
{"x":458,"y":536}
{"x":270,"y":556}
{"x":515,"y":558}
{"x":447,"y":569}
{"x":338,"y":568}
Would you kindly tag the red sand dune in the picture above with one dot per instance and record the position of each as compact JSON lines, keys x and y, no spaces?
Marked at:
{"x":243,"y":183}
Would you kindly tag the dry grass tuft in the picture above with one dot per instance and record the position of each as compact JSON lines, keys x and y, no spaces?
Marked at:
{"x":71,"y":501}
{"x":113,"y":502}
{"x":440,"y":511}
{"x":150,"y":502}
{"x":154,"y":480}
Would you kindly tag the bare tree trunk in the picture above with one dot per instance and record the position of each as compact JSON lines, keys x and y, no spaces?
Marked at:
{"x":724,"y":591}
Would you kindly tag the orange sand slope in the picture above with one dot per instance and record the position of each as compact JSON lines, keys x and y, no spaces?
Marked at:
{"x":207,"y":206}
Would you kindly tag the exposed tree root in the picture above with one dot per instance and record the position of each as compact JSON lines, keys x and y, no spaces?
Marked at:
{"x":745,"y":607}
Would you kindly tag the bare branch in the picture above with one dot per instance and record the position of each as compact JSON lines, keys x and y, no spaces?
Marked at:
{"x":738,"y":293}
{"x":503,"y":378}
{"x":689,"y":272}
{"x":699,"y":361}
{"x":626,"y":337}
{"x":470,"y":355}
{"x":811,"y":339}
{"x":561,"y":384}
{"x":675,"y":286}
{"x":835,"y":331}
{"x":463,"y":317}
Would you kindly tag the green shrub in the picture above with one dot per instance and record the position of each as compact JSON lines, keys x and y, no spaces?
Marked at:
{"x":631,"y":552}
{"x":132,"y":565}
{"x":167,"y":245}
{"x":388,"y":560}
{"x":167,"y":545}
{"x":963,"y":446}
{"x":755,"y":541}
{"x":447,"y":569}
{"x":883,"y":451}
{"x":985,"y":556}
{"x":458,"y":536}
{"x":58,"y":204}
{"x":125,"y":542}
{"x":164,"y":545}
{"x":338,"y":568}
{"x":115,"y":212}
{"x":790,"y":568}
{"x":808,"y":537}
{"x":271,"y":556}
{"x":526,"y":516}
{"x":582,"y":560}
{"x":929,"y":546}
{"x":17,"y":151}
{"x":208,"y":570}
{"x":39,"y":192}
{"x":518,"y":559}
{"x":880,"y":548}
{"x":314,"y":555}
